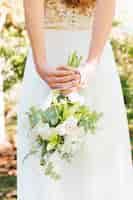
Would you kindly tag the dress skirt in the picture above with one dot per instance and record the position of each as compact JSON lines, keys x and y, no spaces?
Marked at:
{"x":103,"y":169}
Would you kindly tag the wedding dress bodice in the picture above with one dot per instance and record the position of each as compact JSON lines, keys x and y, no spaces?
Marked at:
{"x":59,"y":15}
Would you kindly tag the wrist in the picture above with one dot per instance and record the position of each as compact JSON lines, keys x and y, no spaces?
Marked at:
{"x":41,"y":71}
{"x":89,"y":66}
{"x":93,"y":61}
{"x":87,"y":70}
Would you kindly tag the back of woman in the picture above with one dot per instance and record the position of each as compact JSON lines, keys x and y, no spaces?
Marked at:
{"x":102,"y":170}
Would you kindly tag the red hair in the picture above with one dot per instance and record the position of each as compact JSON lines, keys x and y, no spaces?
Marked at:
{"x":88,"y":3}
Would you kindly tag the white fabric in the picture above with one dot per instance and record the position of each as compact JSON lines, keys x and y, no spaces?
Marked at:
{"x":103,"y":170}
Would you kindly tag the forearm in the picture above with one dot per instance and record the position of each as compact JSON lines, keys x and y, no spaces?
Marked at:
{"x":102,"y":25}
{"x":34,"y":18}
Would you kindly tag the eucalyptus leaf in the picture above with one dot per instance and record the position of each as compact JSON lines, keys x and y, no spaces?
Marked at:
{"x":51,"y":116}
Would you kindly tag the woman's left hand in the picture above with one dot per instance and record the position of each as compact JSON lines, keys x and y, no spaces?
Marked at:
{"x":87,"y":72}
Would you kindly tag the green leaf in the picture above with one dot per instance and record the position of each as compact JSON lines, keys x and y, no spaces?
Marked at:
{"x":34,"y":115}
{"x":54,"y":138}
{"x":51,"y":115}
{"x":74,"y":60}
{"x":65,"y":112}
{"x":50,"y":171}
{"x":70,"y":59}
{"x":44,"y":148}
{"x":42,"y":162}
{"x":51,"y":146}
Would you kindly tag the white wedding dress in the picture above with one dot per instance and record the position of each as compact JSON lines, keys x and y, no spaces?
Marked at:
{"x":103,"y":169}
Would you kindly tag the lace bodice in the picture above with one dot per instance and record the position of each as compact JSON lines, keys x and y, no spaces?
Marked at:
{"x":59,"y":15}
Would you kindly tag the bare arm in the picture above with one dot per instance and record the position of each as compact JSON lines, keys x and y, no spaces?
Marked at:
{"x":102,"y":24}
{"x":34,"y":15}
{"x":59,"y":77}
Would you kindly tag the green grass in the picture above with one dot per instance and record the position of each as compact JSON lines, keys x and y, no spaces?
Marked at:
{"x":7,"y":185}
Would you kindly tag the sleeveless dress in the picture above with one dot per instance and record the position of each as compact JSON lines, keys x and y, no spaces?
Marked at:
{"x":103,"y":169}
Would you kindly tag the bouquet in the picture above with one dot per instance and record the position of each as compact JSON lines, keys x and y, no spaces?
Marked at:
{"x":60,"y":125}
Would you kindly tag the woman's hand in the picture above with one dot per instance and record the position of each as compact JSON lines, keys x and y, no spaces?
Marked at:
{"x":87,"y":72}
{"x":73,"y":84}
{"x":63,"y":78}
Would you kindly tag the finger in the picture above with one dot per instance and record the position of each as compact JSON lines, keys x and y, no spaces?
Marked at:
{"x":63,"y":67}
{"x":63,"y":73}
{"x":59,"y":80}
{"x":63,"y":86}
{"x":66,"y":79}
{"x":58,"y":72}
{"x":68,"y":68}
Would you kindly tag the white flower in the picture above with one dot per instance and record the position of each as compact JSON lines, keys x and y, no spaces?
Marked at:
{"x":67,"y":127}
{"x":75,"y":97}
{"x":42,"y":129}
{"x":61,"y":129}
{"x":78,"y":132}
{"x":71,"y":145}
{"x":70,"y":123}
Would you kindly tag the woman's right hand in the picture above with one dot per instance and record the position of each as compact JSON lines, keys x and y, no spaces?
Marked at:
{"x":60,"y":77}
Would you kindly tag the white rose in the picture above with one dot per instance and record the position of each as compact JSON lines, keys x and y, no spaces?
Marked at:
{"x":61,"y":129}
{"x":75,"y":97}
{"x":70,"y":123}
{"x":42,"y":129}
{"x":67,"y":127}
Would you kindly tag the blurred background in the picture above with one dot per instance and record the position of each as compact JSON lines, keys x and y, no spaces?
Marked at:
{"x":13,"y":53}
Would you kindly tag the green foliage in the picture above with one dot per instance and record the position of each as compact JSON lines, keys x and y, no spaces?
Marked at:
{"x":17,"y":64}
{"x":7,"y":183}
{"x":54,"y":140}
{"x":127,"y":91}
{"x":61,"y":108}
{"x":87,"y":119}
{"x":116,"y":23}
{"x":49,"y":171}
{"x":35,"y":116}
{"x":14,"y":51}
{"x":74,"y":60}
{"x":123,"y":51}
{"x":52,"y":115}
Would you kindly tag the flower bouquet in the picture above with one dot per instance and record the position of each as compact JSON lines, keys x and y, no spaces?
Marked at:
{"x":60,"y":125}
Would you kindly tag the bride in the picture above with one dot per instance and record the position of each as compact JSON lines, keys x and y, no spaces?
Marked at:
{"x":56,"y":28}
